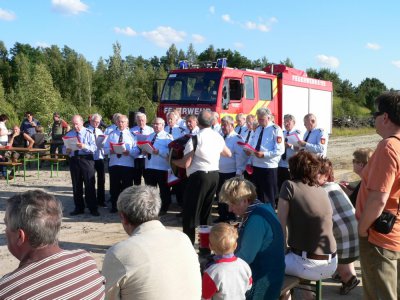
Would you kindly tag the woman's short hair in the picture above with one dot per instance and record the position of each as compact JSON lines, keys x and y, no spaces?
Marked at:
{"x":139,"y":204}
{"x":326,"y":168}
{"x":38,"y":214}
{"x":223,"y":238}
{"x":305,"y":166}
{"x":362,"y":155}
{"x":237,"y":189}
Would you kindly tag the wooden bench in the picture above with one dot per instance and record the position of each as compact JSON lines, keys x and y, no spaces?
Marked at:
{"x":10,"y":165}
{"x":54,"y":161}
{"x":291,"y":282}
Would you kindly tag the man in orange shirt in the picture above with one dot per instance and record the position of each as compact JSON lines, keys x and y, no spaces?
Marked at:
{"x":380,"y":191}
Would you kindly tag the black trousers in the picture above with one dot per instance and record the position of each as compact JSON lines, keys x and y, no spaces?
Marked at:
{"x":158,"y":178}
{"x":197,"y":201}
{"x":266,"y":180}
{"x":138,"y":171}
{"x":121,"y":177}
{"x":101,"y":179}
{"x":179,"y":190}
{"x":83,"y":173}
{"x":223,"y":208}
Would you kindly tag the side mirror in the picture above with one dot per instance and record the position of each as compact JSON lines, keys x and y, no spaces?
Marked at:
{"x":155,"y":92}
{"x":225,"y":99}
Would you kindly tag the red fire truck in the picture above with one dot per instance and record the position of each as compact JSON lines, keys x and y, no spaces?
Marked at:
{"x":230,"y":91}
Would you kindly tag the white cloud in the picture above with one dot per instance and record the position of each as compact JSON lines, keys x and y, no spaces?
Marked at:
{"x":257,"y":26}
{"x":373,"y":46}
{"x":226,"y":18}
{"x":238,"y":45}
{"x":42,"y":45}
{"x":7,"y":15}
{"x":198,"y":39}
{"x":328,"y":61}
{"x":263,"y":28}
{"x":212,"y":9}
{"x":273,"y":20}
{"x":69,"y":7}
{"x":125,"y":31}
{"x":250,"y":25}
{"x":164,"y":36}
{"x":396,"y":63}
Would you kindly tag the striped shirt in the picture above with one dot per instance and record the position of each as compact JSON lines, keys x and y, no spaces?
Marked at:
{"x":64,"y":275}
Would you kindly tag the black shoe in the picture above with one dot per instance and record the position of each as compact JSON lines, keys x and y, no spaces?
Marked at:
{"x":95,"y":213}
{"x":113,"y":210}
{"x":76,"y":212}
{"x":102,"y":204}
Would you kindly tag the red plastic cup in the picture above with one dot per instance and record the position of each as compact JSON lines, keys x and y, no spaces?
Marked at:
{"x":249,"y":169}
{"x":204,"y":236}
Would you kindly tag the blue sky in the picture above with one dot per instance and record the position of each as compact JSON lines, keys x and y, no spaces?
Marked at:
{"x":355,"y":39}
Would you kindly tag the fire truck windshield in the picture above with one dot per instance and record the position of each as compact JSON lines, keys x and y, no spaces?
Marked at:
{"x":191,"y":87}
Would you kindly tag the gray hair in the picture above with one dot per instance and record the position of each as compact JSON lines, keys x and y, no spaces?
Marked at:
{"x":140,"y":114}
{"x":96,"y":116}
{"x":310,"y":116}
{"x":228,"y":119}
{"x":263,"y":112}
{"x":38,"y":214}
{"x":240,"y":116}
{"x":115,"y":117}
{"x":139,"y":204}
{"x":160,"y":120}
{"x":205,"y":118}
{"x":289,"y":117}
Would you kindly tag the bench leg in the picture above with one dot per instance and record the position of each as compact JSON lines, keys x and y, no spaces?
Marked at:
{"x":318,"y":289}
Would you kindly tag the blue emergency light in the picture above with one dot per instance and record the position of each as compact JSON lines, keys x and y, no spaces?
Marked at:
{"x":222,"y":62}
{"x":183,"y":64}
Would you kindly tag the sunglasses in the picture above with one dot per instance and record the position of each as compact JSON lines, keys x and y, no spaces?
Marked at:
{"x":357,"y":161}
{"x":377,"y":114}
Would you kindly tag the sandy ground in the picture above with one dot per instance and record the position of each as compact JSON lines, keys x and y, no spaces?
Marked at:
{"x":97,"y":234}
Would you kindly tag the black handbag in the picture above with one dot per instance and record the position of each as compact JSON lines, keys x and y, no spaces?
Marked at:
{"x":385,"y":222}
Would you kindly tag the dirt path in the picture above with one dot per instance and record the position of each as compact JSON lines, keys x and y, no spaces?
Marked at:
{"x":96,"y":235}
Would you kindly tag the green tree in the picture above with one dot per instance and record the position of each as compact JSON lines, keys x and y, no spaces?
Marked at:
{"x":287,"y":62}
{"x":43,"y":98}
{"x":191,"y":54}
{"x":208,"y":55}
{"x":368,"y":90}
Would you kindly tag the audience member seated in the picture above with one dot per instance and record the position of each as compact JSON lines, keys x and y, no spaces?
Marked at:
{"x":39,"y":138}
{"x":20,"y":140}
{"x":33,"y":222}
{"x":344,"y":228}
{"x":360,"y":160}
{"x":304,"y":210}
{"x":154,"y":262}
{"x":228,"y":277}
{"x":260,"y":242}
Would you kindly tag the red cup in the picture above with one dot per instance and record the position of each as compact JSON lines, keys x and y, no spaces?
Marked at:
{"x":249,"y":169}
{"x":204,"y":236}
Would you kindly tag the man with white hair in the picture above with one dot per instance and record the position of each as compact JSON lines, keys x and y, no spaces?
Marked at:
{"x":241,"y":128}
{"x":269,"y":146}
{"x":153,"y":262}
{"x":95,"y":121}
{"x":315,"y":139}
{"x":215,"y":125}
{"x":141,"y":131}
{"x":121,"y":165}
{"x":157,"y":166}
{"x":81,"y":165}
{"x":173,"y":128}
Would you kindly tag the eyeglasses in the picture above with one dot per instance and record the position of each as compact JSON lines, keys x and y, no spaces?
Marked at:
{"x":355,"y":161}
{"x":377,"y":114}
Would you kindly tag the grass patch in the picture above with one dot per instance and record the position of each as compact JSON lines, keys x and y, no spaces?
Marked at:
{"x":352,"y":131}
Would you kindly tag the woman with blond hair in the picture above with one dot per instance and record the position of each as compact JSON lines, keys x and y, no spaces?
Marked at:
{"x":260,"y":242}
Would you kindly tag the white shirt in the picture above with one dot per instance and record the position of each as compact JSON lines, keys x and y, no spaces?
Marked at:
{"x":3,"y":128}
{"x":141,"y":136}
{"x":99,"y":153}
{"x":237,"y":162}
{"x":272,"y":145}
{"x":176,"y":131}
{"x":284,"y":163}
{"x":130,"y":145}
{"x":317,"y":141}
{"x":243,"y":131}
{"x":159,"y":161}
{"x":209,"y":147}
{"x":195,"y":130}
